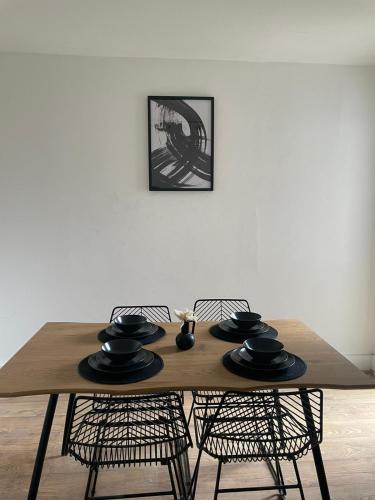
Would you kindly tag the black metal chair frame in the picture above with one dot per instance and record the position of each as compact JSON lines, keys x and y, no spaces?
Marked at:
{"x":153,"y":313}
{"x":280,"y":426}
{"x":130,"y":431}
{"x":219,"y":309}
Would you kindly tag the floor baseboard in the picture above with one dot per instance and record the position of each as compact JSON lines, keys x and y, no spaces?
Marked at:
{"x":362,"y":361}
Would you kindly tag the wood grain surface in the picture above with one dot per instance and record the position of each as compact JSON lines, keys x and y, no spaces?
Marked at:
{"x":47,"y":363}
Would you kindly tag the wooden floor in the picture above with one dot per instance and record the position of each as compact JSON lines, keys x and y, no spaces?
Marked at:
{"x":348,"y":450}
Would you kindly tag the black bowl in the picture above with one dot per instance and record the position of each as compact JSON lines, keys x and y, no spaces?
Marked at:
{"x":245,"y":319}
{"x":262,"y":349}
{"x":120,"y":351}
{"x":130,"y":322}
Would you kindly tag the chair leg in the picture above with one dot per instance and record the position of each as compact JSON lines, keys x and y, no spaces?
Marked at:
{"x":88,"y":485}
{"x":280,"y":477}
{"x":191,"y":412}
{"x":318,"y":460}
{"x":68,"y":422}
{"x":93,"y":489}
{"x":217,"y":479}
{"x":172,"y":481}
{"x":194,"y":479}
{"x":298,"y":479}
{"x":276,"y":471}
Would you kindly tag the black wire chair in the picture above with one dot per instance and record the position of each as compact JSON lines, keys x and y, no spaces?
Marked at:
{"x":214,"y":310}
{"x":130,"y":431}
{"x":152,"y":313}
{"x":248,"y":427}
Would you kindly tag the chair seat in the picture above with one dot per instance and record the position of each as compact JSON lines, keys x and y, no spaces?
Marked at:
{"x":252,"y":432}
{"x":124,"y":431}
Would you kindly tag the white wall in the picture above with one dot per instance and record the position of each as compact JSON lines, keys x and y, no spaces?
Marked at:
{"x":289,"y":224}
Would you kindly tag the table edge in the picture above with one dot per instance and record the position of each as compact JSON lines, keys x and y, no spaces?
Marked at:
{"x":113,"y":391}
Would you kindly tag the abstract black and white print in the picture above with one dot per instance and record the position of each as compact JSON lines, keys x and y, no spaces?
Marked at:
{"x":181,"y":143}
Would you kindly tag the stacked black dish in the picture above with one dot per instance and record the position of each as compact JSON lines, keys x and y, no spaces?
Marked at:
{"x":120,"y":361}
{"x":132,"y":326}
{"x":241,"y":326}
{"x":264,"y":359}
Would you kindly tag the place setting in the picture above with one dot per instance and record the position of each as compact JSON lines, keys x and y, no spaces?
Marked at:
{"x":264,"y":359}
{"x":132,"y":326}
{"x":242,"y":325}
{"x":120,"y":361}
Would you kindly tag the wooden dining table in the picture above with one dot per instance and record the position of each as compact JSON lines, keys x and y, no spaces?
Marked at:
{"x":47,"y":364}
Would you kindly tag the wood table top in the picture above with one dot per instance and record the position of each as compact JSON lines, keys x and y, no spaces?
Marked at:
{"x":48,"y":362}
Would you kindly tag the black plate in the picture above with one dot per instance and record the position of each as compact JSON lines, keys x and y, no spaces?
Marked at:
{"x":146,"y":335}
{"x":99,"y":377}
{"x":281,"y":365}
{"x":297,"y":369}
{"x":239,"y":336}
{"x":248,"y":358}
{"x":229,"y":326}
{"x":100,"y":362}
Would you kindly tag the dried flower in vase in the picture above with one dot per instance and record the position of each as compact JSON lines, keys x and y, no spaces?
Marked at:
{"x":186,"y":315}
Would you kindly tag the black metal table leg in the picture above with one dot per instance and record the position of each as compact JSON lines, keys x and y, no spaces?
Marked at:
{"x":186,"y":469}
{"x":319,"y":466}
{"x":42,"y":448}
{"x":68,"y":423}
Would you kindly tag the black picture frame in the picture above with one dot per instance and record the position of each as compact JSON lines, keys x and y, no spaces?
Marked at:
{"x":181,"y":143}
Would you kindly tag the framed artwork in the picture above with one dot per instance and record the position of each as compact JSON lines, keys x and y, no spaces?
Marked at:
{"x":181,"y":143}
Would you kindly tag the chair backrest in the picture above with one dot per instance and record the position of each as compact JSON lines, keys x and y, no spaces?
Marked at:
{"x":152,"y":313}
{"x":218,"y":309}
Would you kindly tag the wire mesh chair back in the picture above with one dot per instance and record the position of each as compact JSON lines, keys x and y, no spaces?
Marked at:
{"x":128,"y":431}
{"x":258,"y":426}
{"x":152,"y":313}
{"x":215,"y":310}
{"x":218,"y":309}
